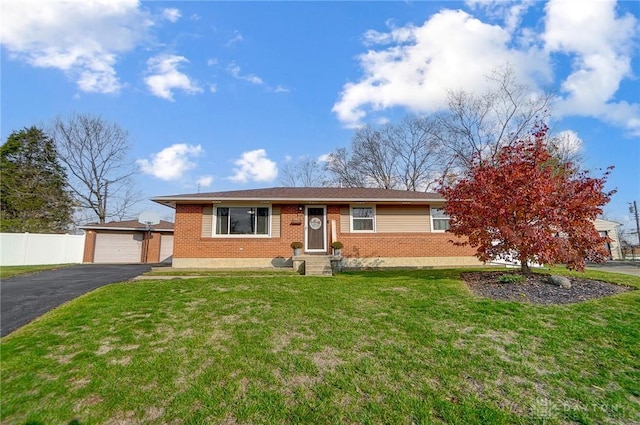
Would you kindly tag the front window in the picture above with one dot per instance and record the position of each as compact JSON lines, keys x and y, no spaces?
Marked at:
{"x":362,"y":219}
{"x":439,"y":220}
{"x":242,"y":221}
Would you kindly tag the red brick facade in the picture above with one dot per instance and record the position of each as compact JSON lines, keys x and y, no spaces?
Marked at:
{"x":89,"y":246}
{"x":189,"y":242}
{"x":153,"y":241}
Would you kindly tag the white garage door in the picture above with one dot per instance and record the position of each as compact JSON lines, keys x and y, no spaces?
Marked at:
{"x":166,"y":248}
{"x":118,"y":248}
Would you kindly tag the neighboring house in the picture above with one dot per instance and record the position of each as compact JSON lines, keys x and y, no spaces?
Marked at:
{"x":610,"y":229}
{"x":128,"y":242}
{"x":254,"y":228}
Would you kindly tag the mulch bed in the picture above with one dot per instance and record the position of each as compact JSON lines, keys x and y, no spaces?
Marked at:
{"x":535,"y":288}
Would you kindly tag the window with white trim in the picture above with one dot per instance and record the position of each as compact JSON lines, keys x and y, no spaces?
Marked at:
{"x":363,"y":219}
{"x":242,"y":221}
{"x":439,"y":220}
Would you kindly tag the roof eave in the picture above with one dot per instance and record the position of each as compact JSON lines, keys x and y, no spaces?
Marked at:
{"x":171,"y":202}
{"x":130,"y":229}
{"x":166,"y":202}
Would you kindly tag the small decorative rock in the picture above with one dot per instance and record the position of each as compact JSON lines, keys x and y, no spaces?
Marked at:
{"x":560,"y":281}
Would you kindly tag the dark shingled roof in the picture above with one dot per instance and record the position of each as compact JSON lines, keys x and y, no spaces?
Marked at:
{"x":128,"y":225}
{"x":304,"y":194}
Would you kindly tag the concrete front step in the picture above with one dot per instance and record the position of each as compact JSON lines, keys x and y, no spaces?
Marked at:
{"x":317,"y":270}
{"x":316,"y":265}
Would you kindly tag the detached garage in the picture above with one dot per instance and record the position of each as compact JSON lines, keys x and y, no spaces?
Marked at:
{"x":128,"y":242}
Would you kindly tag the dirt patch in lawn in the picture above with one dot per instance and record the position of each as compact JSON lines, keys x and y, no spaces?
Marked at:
{"x":536,"y":288}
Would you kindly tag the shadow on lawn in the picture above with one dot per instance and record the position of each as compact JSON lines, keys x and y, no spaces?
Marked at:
{"x":71,"y":422}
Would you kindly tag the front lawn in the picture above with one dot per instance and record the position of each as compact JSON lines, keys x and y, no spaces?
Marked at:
{"x":372,"y":347}
{"x":9,"y":271}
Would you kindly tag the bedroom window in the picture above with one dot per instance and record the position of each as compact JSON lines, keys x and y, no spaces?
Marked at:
{"x":242,"y":221}
{"x":362,"y":219}
{"x":439,"y":220}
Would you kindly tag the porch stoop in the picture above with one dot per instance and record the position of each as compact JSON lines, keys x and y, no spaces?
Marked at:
{"x":317,"y":265}
{"x":314,"y":265}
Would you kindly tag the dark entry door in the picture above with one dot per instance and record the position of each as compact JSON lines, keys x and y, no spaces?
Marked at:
{"x":316,"y":233}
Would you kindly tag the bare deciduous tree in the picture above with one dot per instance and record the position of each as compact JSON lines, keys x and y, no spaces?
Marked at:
{"x":343,"y":170}
{"x":402,"y":156}
{"x":94,"y":151}
{"x":370,"y":163}
{"x":420,"y":162}
{"x":567,"y":147}
{"x":476,"y":126}
{"x":307,"y":172}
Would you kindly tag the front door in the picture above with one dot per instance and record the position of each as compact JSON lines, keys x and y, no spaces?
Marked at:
{"x":316,"y":234}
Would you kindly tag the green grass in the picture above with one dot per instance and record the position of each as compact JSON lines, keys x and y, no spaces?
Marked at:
{"x":396,"y":347}
{"x":511,"y":278}
{"x":9,"y":271}
{"x":223,"y":272}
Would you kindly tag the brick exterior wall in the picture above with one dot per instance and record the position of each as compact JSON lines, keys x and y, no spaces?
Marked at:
{"x":153,"y":254}
{"x":189,"y":243}
{"x":89,"y":246}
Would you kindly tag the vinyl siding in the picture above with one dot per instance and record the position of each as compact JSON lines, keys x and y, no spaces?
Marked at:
{"x":345,"y":220}
{"x":394,"y":219}
{"x":275,"y":221}
{"x":406,"y":219}
{"x":207,"y":221}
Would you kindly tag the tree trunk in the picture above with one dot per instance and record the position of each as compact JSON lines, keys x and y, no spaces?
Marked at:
{"x":524,"y":265}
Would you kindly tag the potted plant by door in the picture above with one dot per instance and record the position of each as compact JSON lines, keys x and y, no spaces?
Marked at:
{"x":337,"y":248}
{"x":297,"y":248}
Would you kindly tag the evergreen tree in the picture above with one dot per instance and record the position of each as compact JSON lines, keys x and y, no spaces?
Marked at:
{"x":33,"y":185}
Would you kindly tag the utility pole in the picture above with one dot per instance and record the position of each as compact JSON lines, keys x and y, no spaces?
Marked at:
{"x":633,"y":209}
{"x":103,"y":219}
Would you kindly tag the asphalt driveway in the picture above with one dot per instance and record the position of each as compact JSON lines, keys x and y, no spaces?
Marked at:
{"x":624,"y":267}
{"x":26,"y":297}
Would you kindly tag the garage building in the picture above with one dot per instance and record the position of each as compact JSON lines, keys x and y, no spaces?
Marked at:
{"x":128,"y":241}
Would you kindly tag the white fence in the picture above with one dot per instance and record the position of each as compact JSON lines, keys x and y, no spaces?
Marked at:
{"x":21,"y":249}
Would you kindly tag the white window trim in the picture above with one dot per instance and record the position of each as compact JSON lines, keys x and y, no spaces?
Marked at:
{"x":351,"y":207}
{"x":215,"y":220}
{"x":433,"y":230}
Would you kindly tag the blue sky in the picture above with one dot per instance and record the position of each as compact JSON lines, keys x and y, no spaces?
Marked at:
{"x":222,"y":95}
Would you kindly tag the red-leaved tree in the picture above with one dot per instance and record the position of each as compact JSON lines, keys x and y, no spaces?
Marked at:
{"x":529,"y":206}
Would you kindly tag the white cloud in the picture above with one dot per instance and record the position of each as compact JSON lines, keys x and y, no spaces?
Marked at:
{"x":508,"y":11}
{"x":568,"y":142}
{"x":164,"y":76}
{"x":601,"y":47}
{"x":324,"y":158}
{"x":254,"y":166}
{"x":205,"y":181}
{"x":171,"y":14}
{"x":235,"y":71}
{"x":383,"y":121}
{"x":236,"y":38}
{"x":417,"y":69}
{"x":413,"y":67}
{"x":172,"y":162}
{"x":81,"y":38}
{"x":280,"y":89}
